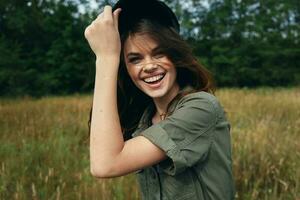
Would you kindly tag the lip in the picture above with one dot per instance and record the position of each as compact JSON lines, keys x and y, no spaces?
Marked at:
{"x":156,"y":85}
{"x":154,"y":75}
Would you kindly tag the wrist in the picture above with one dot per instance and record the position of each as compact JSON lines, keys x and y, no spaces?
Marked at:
{"x":107,"y":67}
{"x":107,"y":61}
{"x":107,"y":58}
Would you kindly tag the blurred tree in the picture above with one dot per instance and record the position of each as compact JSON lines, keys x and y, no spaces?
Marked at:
{"x":50,"y":53}
{"x":244,"y":43}
{"x":250,"y":42}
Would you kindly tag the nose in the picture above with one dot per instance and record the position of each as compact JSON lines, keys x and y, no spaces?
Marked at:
{"x":150,"y":67}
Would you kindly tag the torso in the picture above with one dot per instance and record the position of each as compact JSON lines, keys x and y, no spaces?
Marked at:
{"x":156,"y":182}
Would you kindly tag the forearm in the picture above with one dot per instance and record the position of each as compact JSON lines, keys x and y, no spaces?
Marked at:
{"x":106,"y":140}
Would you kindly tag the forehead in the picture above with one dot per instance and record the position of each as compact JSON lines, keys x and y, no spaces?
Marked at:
{"x":139,"y":43}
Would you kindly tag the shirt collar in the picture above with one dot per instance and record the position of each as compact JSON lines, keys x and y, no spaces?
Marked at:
{"x":145,"y":119}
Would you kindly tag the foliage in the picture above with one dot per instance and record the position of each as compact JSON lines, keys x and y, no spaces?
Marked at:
{"x":42,"y":48}
{"x":244,"y":43}
{"x":250,"y":43}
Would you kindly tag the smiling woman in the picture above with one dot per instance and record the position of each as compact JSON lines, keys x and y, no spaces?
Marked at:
{"x":150,"y":49}
{"x":154,"y":112}
{"x":154,"y":74}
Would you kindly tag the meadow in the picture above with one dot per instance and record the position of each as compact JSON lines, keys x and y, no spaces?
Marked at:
{"x":44,"y":152}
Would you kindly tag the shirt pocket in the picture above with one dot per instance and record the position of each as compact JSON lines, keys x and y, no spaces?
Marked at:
{"x":179,"y":187}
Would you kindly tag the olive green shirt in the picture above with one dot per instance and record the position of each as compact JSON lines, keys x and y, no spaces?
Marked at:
{"x":196,"y":139}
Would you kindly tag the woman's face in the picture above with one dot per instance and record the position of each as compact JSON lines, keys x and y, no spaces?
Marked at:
{"x":150,"y":70}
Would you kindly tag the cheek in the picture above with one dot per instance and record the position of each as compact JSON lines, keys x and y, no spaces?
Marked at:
{"x":129,"y":72}
{"x":168,"y":65}
{"x":171,"y":67}
{"x":132,"y":73}
{"x":173,"y":75}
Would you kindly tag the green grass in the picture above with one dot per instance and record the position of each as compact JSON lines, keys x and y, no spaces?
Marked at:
{"x":44,"y":147}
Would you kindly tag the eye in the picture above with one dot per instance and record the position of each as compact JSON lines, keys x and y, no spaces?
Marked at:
{"x":159,"y":55}
{"x":134,"y":60}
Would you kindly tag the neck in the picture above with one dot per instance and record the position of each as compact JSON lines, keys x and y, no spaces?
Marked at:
{"x":161,"y":103}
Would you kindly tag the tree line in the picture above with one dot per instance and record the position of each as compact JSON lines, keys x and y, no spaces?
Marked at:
{"x":244,"y":43}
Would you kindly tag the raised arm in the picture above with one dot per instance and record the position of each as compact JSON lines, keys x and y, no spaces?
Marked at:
{"x":109,"y":155}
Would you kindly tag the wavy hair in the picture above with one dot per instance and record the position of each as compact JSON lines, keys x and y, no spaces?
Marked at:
{"x":131,"y":100}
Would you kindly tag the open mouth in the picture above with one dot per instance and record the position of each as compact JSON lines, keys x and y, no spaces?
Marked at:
{"x":154,"y":79}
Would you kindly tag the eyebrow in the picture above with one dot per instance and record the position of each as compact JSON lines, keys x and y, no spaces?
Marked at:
{"x":137,"y":54}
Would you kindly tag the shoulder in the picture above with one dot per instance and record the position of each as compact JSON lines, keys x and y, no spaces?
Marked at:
{"x":201,"y":96}
{"x":202,"y":100}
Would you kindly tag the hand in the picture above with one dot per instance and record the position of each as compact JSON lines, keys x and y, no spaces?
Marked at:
{"x":103,"y":35}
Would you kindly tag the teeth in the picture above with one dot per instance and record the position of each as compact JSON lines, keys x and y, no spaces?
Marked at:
{"x":153,"y":78}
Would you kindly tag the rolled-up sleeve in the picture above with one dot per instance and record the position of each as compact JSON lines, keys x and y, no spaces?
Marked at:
{"x":186,"y":135}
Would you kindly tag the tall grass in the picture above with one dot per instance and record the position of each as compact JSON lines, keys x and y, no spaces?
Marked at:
{"x":266,"y":141}
{"x":44,"y":147}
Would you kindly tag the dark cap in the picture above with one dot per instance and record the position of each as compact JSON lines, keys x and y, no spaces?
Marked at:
{"x":135,"y":10}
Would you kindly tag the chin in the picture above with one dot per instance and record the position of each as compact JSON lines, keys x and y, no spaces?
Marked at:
{"x":155,"y":93}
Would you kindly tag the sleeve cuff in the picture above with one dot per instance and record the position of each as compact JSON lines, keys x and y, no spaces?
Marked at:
{"x":158,"y":136}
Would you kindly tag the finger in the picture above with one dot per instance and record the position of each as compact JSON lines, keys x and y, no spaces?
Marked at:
{"x":107,"y":12}
{"x":100,"y":16}
{"x":116,"y":15}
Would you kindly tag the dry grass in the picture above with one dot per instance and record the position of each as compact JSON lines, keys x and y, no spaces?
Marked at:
{"x":266,"y":146}
{"x":44,"y":147}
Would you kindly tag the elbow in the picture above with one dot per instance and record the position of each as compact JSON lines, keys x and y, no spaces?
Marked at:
{"x":104,"y":168}
{"x":99,"y":172}
{"x":95,"y":172}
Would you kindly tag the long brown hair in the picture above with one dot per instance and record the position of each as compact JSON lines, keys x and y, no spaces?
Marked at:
{"x":131,"y":100}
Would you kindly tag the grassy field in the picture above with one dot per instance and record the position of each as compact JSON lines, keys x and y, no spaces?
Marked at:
{"x":44,"y":147}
